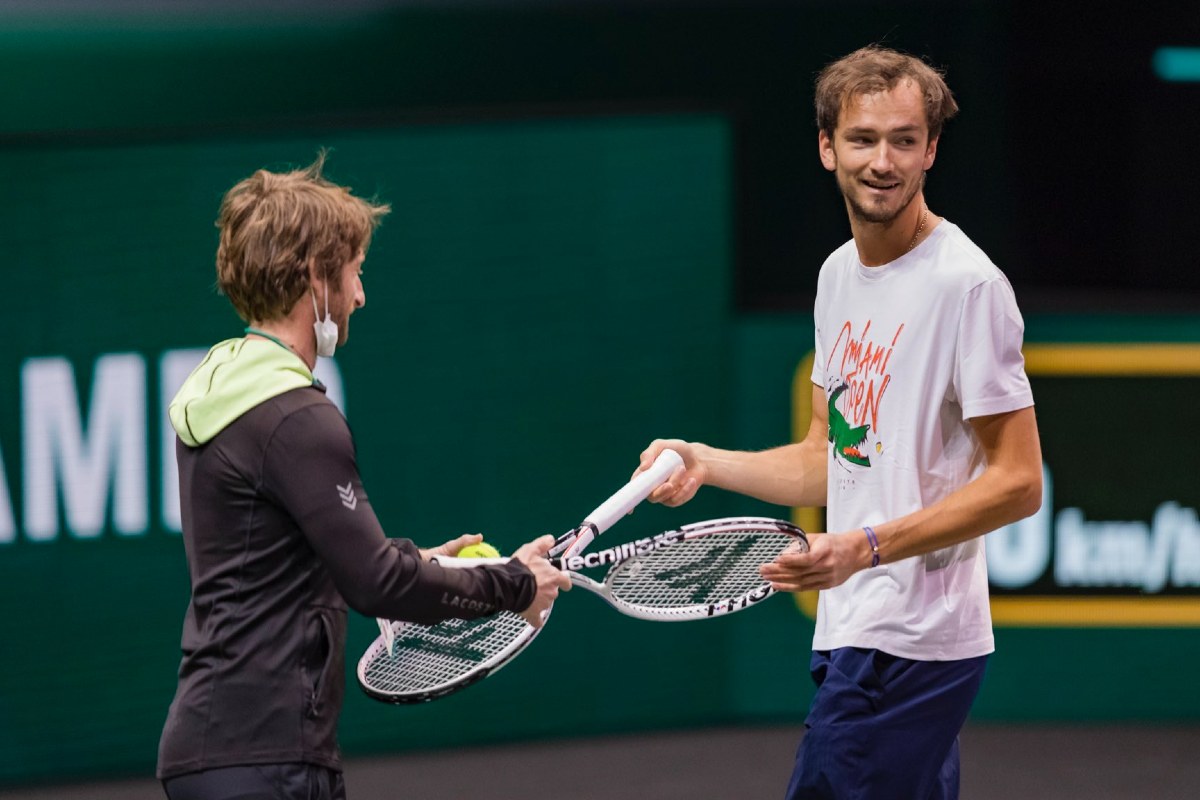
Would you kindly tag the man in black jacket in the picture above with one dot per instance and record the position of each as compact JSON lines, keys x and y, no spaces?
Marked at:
{"x":279,"y":532}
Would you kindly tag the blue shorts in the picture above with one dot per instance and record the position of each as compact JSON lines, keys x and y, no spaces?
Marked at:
{"x":884,"y":728}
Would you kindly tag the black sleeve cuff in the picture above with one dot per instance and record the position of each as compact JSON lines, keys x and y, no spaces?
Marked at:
{"x":515,"y":586}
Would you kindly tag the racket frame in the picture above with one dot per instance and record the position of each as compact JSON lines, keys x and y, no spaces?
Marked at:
{"x":573,"y":542}
{"x":504,"y":654}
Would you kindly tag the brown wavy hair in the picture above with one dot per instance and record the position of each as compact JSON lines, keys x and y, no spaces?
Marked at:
{"x":274,"y":225}
{"x":875,"y":68}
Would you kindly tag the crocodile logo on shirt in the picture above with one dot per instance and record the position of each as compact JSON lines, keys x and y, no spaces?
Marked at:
{"x":846,"y":439}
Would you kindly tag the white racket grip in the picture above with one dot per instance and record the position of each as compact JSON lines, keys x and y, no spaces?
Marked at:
{"x":634,"y":492}
{"x":454,"y":562}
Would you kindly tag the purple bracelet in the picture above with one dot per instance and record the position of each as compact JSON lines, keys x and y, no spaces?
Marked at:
{"x":874,"y":542}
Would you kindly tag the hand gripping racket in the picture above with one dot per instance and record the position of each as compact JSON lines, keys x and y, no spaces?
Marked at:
{"x":412,"y":663}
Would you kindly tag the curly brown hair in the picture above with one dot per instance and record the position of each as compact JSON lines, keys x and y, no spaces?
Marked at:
{"x":274,"y":225}
{"x":875,"y":68}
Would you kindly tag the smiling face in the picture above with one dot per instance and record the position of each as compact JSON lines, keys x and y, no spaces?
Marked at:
{"x":879,"y":152}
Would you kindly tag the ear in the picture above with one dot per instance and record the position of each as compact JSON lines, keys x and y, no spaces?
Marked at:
{"x":825,"y":151}
{"x":930,"y":154}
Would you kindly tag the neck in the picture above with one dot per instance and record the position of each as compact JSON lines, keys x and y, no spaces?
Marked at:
{"x":292,"y":334}
{"x":881,"y":243}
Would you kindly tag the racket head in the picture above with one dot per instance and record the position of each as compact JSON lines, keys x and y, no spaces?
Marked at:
{"x":431,"y":661}
{"x":700,"y":571}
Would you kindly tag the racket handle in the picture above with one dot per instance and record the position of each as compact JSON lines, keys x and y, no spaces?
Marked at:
{"x":629,"y":496}
{"x":607,"y":513}
{"x":454,"y":562}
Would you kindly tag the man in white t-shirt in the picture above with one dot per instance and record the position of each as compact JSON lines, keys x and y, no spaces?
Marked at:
{"x":922,"y":439}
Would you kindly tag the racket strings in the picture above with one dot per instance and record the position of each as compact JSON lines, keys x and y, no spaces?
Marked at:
{"x":697,"y":572}
{"x":429,"y":656}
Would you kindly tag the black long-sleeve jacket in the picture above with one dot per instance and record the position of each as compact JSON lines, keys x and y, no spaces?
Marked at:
{"x":280,"y":537}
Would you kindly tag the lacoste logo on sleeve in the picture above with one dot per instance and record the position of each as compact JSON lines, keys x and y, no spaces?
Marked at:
{"x":346,"y":493}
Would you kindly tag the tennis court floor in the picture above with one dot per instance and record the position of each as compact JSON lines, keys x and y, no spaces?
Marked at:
{"x":1000,"y":762}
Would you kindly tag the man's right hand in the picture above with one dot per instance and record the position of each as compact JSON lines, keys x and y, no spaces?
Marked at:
{"x":549,"y":578}
{"x":685,"y":481}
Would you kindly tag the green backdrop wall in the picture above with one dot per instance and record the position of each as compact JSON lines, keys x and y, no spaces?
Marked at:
{"x":545,"y":297}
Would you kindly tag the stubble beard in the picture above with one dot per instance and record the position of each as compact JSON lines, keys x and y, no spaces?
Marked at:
{"x":342,"y":320}
{"x":343,"y":324}
{"x":877,"y":215}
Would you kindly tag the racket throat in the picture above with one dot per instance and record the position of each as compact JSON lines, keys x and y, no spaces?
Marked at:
{"x":575,"y":540}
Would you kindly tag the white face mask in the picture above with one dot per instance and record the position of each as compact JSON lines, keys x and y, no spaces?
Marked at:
{"x":326,"y":329}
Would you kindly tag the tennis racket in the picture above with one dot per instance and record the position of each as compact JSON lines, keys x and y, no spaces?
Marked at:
{"x":412,"y":663}
{"x":699,"y":571}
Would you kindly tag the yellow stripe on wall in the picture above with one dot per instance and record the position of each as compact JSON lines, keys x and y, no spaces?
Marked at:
{"x":1102,"y":360}
{"x":1096,"y":612}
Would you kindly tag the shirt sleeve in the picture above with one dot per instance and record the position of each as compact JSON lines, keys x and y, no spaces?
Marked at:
{"x":818,"y":367}
{"x":310,"y":470}
{"x":989,"y":370}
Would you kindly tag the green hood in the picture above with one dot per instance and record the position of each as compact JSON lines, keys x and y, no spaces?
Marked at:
{"x":233,"y":378}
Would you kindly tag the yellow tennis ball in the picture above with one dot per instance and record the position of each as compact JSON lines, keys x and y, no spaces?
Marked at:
{"x":481,"y":550}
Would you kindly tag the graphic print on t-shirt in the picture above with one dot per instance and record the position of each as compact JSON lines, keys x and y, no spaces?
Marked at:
{"x":857,"y":378}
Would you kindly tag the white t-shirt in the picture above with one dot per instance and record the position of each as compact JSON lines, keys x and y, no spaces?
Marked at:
{"x":908,"y":352}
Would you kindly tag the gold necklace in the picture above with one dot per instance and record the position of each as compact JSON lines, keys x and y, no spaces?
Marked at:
{"x":920,"y":227}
